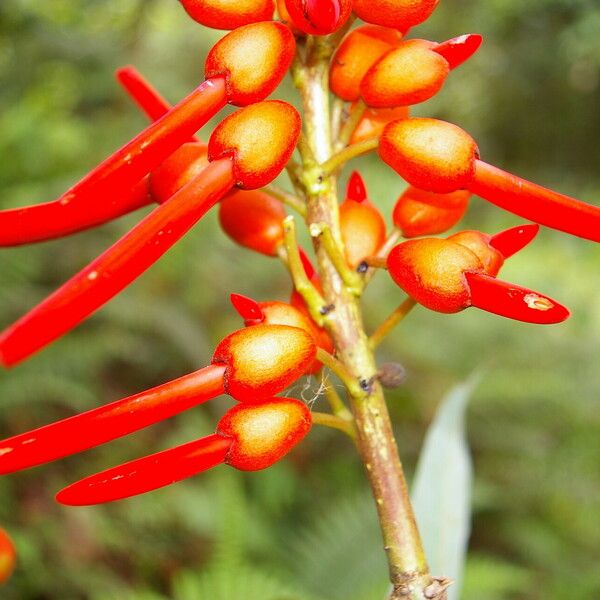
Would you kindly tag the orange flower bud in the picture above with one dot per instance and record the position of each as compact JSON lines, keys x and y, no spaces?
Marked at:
{"x":357,"y":53}
{"x":418,"y":212}
{"x":406,"y":75}
{"x":263,"y":433}
{"x":479,"y":243}
{"x":263,"y":360}
{"x":361,"y":224}
{"x":374,"y":120}
{"x":8,"y":557}
{"x":253,"y":60}
{"x":260,"y":138}
{"x":177,"y":170}
{"x":399,"y":14}
{"x":432,"y":271}
{"x":253,"y":219}
{"x":430,"y":154}
{"x":228,"y":14}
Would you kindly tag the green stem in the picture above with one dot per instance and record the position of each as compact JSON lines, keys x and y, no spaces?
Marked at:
{"x":348,"y":153}
{"x":350,"y":125}
{"x":327,"y":420}
{"x":313,"y":299}
{"x":351,"y":279}
{"x":395,"y":317}
{"x":286,"y":198}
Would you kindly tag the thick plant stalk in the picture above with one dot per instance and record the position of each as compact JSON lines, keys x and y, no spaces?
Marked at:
{"x":409,"y":572}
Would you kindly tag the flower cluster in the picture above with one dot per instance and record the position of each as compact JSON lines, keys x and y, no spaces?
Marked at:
{"x":376,"y":74}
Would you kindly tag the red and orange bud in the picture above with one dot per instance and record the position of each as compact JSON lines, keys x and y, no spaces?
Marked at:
{"x":259,"y":138}
{"x":253,"y":60}
{"x":280,"y":313}
{"x":440,"y":157}
{"x":418,"y":212}
{"x":180,"y":168}
{"x":431,"y":271}
{"x":374,"y":120}
{"x":8,"y":556}
{"x":448,"y":276}
{"x":357,"y":53}
{"x":263,"y":433}
{"x":228,"y":14}
{"x":361,"y":224}
{"x":253,"y":219}
{"x":406,"y":75}
{"x":318,"y":17}
{"x":263,"y":360}
{"x":432,"y":155}
{"x":249,"y":437}
{"x":398,"y":14}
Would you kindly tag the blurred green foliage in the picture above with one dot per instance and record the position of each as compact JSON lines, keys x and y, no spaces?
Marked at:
{"x":306,"y":528}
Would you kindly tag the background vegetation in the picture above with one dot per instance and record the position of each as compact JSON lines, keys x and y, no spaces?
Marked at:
{"x":304,"y":529}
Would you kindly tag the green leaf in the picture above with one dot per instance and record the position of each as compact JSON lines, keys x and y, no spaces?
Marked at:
{"x":441,"y":491}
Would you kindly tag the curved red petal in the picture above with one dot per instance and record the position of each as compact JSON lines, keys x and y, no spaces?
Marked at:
{"x":248,"y":309}
{"x":536,"y":203}
{"x":514,"y":302}
{"x":116,"y":268}
{"x":147,"y":473}
{"x":512,"y":240}
{"x":459,"y":49}
{"x":105,"y":423}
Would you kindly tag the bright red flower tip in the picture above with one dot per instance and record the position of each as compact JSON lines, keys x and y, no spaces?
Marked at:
{"x":356,"y":189}
{"x":459,"y":49}
{"x":148,"y":473}
{"x":146,"y":97}
{"x":318,"y":17}
{"x":248,"y":309}
{"x":512,"y":301}
{"x":109,"y":422}
{"x":513,"y":240}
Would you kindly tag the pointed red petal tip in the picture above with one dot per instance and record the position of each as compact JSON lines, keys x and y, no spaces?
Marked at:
{"x":248,"y":309}
{"x":356,"y":190}
{"x":514,"y":302}
{"x":459,"y":49}
{"x":147,"y":473}
{"x":323,"y":14}
{"x":512,"y":240}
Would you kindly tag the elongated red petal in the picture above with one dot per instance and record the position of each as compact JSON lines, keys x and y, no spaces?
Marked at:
{"x":144,"y":94}
{"x":514,"y":302}
{"x":536,"y":203}
{"x":118,"y":266}
{"x":309,"y":269}
{"x":59,"y":218}
{"x":459,"y":49}
{"x":105,"y":423}
{"x":512,"y":240}
{"x":356,"y":190}
{"x":149,"y":148}
{"x":148,"y":473}
{"x":248,"y":309}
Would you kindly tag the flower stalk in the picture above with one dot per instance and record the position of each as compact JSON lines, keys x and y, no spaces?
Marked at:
{"x":375,"y":441}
